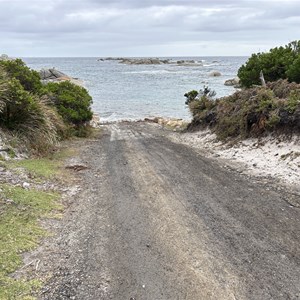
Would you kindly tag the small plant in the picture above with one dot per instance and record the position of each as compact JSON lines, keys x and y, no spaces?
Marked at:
{"x":207,"y":92}
{"x":191,"y":96}
{"x":265,"y":98}
{"x":194,"y":95}
{"x":273,"y":120}
{"x":293,"y":101}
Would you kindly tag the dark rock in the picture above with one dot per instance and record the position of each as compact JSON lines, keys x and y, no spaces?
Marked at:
{"x":141,"y":61}
{"x":215,"y":74}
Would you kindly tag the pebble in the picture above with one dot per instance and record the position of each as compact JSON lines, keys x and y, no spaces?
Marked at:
{"x":26,"y":185}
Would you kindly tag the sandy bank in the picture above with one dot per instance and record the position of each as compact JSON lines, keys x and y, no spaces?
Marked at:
{"x":268,"y":156}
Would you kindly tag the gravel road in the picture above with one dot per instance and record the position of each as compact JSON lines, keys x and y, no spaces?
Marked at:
{"x":155,"y":220}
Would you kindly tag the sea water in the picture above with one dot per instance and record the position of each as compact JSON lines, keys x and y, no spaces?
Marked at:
{"x":134,"y":92}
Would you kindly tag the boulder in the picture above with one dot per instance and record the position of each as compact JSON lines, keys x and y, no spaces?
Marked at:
{"x":53,"y":75}
{"x":95,"y":122}
{"x":5,"y":57}
{"x":46,"y":74}
{"x":232,"y":82}
{"x":215,"y":74}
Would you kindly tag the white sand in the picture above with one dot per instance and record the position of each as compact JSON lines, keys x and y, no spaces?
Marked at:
{"x":267,"y":156}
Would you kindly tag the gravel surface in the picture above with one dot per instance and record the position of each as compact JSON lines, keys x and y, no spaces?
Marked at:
{"x":153,"y":219}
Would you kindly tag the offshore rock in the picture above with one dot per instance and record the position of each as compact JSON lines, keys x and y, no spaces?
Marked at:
{"x":47,"y":74}
{"x":152,"y":61}
{"x":232,"y":82}
{"x":215,"y":74}
{"x":142,"y":61}
{"x":53,"y":75}
{"x":5,"y":57}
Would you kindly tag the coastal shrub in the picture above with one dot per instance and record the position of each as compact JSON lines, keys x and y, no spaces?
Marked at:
{"x":190,"y":96}
{"x":16,"y":104}
{"x":250,"y":112}
{"x":282,"y":88}
{"x":278,"y":63}
{"x":201,"y":106}
{"x":31,"y":118}
{"x":28,"y":78}
{"x":73,"y":102}
{"x":293,"y":101}
{"x":39,"y":116}
{"x":293,"y":73}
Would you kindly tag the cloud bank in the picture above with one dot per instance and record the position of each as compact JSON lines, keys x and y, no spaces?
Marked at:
{"x":146,"y":28}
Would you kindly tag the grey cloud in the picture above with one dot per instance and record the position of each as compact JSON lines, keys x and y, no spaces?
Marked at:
{"x":97,"y":26}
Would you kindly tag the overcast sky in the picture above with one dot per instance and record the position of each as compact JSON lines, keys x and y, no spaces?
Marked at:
{"x":146,"y":27}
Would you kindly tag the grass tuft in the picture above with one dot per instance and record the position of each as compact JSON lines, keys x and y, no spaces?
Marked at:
{"x":40,"y":167}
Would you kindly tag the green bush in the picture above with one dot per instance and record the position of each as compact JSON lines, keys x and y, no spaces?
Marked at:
{"x":293,"y":73}
{"x":39,"y":115}
{"x":29,"y":79}
{"x":190,"y":96}
{"x":18,"y":105}
{"x":73,"y":102}
{"x":278,"y":63}
{"x":293,"y":101}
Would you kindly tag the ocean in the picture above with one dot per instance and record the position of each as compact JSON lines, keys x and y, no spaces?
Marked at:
{"x":134,"y":92}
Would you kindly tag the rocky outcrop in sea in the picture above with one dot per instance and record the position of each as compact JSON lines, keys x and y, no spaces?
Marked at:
{"x":53,"y":75}
{"x":5,"y":57}
{"x":152,"y":61}
{"x":233,"y":82}
{"x":215,"y":74}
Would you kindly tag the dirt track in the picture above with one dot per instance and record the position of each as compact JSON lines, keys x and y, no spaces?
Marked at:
{"x":155,"y":220}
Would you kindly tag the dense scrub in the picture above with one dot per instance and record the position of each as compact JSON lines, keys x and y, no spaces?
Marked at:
{"x":73,"y":102}
{"x":40,"y":115}
{"x":278,"y":63}
{"x":250,"y":112}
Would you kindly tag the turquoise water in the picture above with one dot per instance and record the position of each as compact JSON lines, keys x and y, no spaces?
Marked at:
{"x":133,"y":92}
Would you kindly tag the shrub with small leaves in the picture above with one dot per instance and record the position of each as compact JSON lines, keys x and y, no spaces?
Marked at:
{"x":73,"y":102}
{"x":278,"y":63}
{"x":28,"y":78}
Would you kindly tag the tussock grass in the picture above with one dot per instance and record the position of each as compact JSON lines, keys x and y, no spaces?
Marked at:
{"x":43,"y":129}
